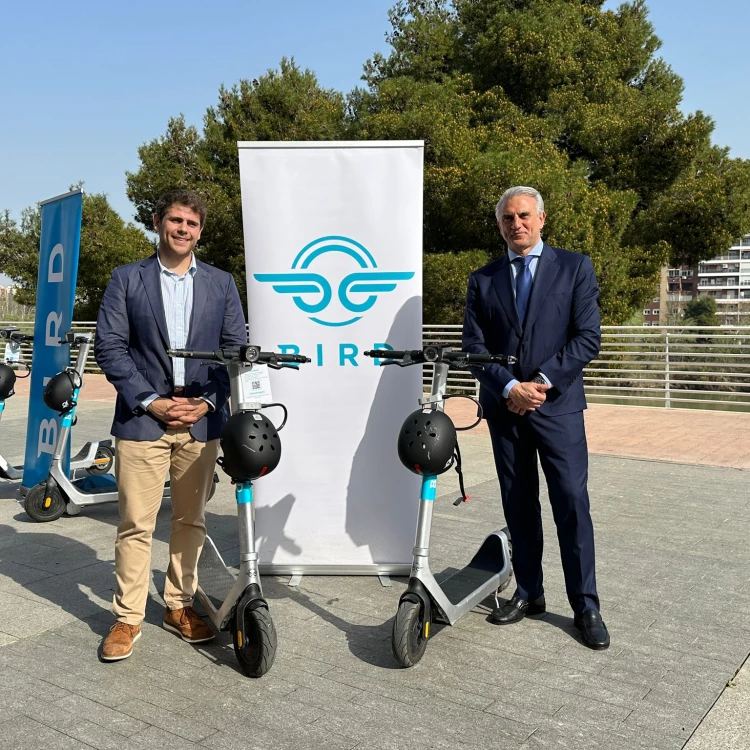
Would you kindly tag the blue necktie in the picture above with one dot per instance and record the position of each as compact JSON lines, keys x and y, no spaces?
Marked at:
{"x":523,"y":285}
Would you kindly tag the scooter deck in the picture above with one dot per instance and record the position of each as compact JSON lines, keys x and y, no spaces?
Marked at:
{"x":213,"y":577}
{"x":486,"y":563}
{"x":95,"y":484}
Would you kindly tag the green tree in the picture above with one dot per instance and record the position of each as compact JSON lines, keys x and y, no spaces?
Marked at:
{"x":106,"y":241}
{"x":701,"y":311}
{"x":558,"y":94}
{"x":285,"y":105}
{"x":569,"y":98}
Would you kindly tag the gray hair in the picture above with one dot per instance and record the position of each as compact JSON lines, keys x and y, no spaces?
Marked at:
{"x":519,"y":190}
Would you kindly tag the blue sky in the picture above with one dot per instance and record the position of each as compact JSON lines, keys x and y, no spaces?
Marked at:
{"x":84,"y":84}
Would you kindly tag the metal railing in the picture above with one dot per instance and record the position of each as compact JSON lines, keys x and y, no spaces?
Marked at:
{"x":700,"y":367}
{"x":705,"y":367}
{"x":27,"y":326}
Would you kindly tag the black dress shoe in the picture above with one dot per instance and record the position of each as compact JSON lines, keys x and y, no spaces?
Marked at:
{"x":593,"y":630}
{"x":516,"y":609}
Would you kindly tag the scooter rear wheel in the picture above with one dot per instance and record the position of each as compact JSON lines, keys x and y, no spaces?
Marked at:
{"x":43,"y":507}
{"x":410,"y":633}
{"x":258,"y":651}
{"x":106,"y":456}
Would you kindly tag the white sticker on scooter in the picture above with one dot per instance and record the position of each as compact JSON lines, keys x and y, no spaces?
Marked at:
{"x":256,"y":385}
{"x":13,"y":351}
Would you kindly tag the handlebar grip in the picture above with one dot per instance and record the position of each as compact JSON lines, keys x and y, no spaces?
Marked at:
{"x":192,"y":354}
{"x":265,"y":357}
{"x":385,"y":354}
{"x":479,"y":358}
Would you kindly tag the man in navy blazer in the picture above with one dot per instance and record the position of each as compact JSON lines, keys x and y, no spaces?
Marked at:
{"x":539,"y":304}
{"x":169,"y":412}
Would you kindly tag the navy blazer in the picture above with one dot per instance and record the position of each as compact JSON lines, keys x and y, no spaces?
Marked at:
{"x":132,"y":341}
{"x":561,"y":335}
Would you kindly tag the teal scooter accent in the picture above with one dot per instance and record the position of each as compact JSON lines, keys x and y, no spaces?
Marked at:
{"x":489,"y":571}
{"x":235,"y":602}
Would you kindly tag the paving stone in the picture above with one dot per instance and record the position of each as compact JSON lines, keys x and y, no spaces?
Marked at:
{"x":113,"y":720}
{"x":217,"y":708}
{"x":582,"y":711}
{"x":419,"y":688}
{"x":588,"y":686}
{"x":447,"y":721}
{"x":21,"y":617}
{"x":155,"y":738}
{"x":94,"y":735}
{"x":12,"y":573}
{"x":183,"y":726}
{"x":335,"y":682}
{"x":22,"y":733}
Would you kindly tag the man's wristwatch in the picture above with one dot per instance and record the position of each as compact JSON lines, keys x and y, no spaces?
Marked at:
{"x":538,"y":379}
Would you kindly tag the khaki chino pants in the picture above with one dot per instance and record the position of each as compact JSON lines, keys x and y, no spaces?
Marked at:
{"x":141,"y":468}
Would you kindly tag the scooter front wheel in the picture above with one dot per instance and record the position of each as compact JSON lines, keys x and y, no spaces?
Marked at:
{"x":43,"y":507}
{"x":103,"y":460}
{"x":257,"y":649}
{"x":410,"y":633}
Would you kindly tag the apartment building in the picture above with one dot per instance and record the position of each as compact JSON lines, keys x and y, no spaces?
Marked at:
{"x":726,"y":278}
{"x":677,"y":286}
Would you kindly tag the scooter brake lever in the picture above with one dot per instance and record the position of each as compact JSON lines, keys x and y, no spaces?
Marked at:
{"x":279,"y":365}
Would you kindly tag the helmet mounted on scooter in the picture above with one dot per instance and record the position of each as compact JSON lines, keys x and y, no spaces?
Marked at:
{"x":427,"y":442}
{"x":7,"y":381}
{"x":251,"y":446}
{"x":59,"y":393}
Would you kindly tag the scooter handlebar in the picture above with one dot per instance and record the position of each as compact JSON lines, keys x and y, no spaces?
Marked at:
{"x":439,"y":354}
{"x":13,"y":334}
{"x":247,"y":353}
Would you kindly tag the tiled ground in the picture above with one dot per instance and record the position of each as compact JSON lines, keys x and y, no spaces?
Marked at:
{"x":672,"y":564}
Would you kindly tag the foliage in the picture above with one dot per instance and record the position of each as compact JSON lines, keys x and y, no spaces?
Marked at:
{"x":12,"y":309}
{"x":106,"y":241}
{"x":444,"y":281}
{"x":701,"y":311}
{"x":284,"y":105}
{"x":558,"y":94}
{"x":566,"y":97}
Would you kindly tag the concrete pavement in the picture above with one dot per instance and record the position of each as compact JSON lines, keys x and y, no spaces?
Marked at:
{"x":672,"y":568}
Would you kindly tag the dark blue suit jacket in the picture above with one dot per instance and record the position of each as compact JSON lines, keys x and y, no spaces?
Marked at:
{"x":560,"y":337}
{"x":132,"y":341}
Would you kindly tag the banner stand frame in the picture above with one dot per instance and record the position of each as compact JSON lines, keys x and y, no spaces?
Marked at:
{"x":382,"y":178}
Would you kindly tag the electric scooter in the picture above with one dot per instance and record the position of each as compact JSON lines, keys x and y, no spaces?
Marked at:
{"x":60,"y":493}
{"x":232,"y":602}
{"x":93,"y":458}
{"x":489,"y":571}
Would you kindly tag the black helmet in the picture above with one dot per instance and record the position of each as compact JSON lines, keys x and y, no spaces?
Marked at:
{"x":251,"y":446}
{"x":60,"y":390}
{"x":7,"y":381}
{"x":426,"y":442}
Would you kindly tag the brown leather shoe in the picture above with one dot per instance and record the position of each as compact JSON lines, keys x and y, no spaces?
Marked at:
{"x":187,"y":623}
{"x":119,"y":643}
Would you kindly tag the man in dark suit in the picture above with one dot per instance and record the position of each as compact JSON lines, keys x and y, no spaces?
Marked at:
{"x":169,"y":412}
{"x":539,"y":303}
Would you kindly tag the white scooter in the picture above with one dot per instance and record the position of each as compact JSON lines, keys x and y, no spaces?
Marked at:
{"x":93,"y":458}
{"x":59,"y":494}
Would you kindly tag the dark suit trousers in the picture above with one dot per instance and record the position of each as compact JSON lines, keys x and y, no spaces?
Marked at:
{"x":560,"y":442}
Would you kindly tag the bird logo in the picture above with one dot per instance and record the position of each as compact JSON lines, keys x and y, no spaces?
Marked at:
{"x":312,"y":292}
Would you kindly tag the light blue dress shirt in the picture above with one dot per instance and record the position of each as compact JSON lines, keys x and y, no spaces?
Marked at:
{"x":535,"y":252}
{"x":177,"y":299}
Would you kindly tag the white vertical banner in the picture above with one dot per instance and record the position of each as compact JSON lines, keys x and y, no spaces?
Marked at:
{"x":333,"y":248}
